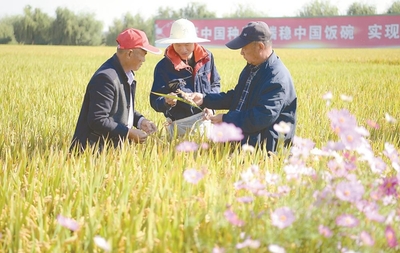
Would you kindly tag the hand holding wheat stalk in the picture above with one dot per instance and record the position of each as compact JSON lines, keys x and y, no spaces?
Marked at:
{"x":185,"y":98}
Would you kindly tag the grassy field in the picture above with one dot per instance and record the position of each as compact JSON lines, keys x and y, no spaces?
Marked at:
{"x":141,"y":198}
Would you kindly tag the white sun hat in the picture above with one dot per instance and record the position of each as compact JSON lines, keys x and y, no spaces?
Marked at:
{"x":182,"y":31}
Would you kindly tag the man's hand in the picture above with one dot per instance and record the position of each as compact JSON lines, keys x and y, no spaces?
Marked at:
{"x":148,"y":126}
{"x":207,"y":113}
{"x":196,"y":97}
{"x":216,"y":119}
{"x":170,"y":101}
{"x":137,"y":135}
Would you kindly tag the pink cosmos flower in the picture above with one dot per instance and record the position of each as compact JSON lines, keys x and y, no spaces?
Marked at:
{"x":282,"y":217}
{"x":187,"y":146}
{"x":350,"y":191}
{"x":323,"y":196}
{"x":233,"y":218}
{"x":391,"y":216}
{"x":367,"y":238}
{"x":362,"y":131}
{"x":375,"y":216}
{"x":351,"y":138}
{"x":389,"y":186}
{"x":245,"y":199}
{"x":349,"y":161}
{"x":390,"y":236}
{"x":204,"y":145}
{"x":271,"y":178}
{"x":371,"y":210}
{"x":284,"y":189}
{"x":347,"y":220}
{"x":341,"y":119}
{"x":225,"y":132}
{"x":249,"y":174}
{"x":253,"y":244}
{"x":377,"y":164}
{"x":325,"y":231}
{"x":337,"y":168}
{"x":302,"y":147}
{"x":391,"y":152}
{"x":193,"y":176}
{"x":333,"y":146}
{"x":373,"y":124}
{"x":69,"y":223}
{"x":218,"y":250}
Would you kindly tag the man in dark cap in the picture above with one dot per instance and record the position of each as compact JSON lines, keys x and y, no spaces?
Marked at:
{"x":108,"y":115}
{"x":264,"y":95}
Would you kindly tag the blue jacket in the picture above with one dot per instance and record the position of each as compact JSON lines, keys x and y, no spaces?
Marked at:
{"x":203,"y":78}
{"x":105,"y":108}
{"x":271,"y":99}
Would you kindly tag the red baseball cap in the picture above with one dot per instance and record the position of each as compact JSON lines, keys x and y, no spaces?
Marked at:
{"x":133,"y":38}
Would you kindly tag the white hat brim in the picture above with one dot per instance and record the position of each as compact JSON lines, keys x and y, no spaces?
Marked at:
{"x":182,"y":40}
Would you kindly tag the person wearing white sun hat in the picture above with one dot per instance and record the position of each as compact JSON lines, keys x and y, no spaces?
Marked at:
{"x":187,"y":67}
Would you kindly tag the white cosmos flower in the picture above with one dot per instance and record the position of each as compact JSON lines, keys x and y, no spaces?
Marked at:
{"x":282,"y":127}
{"x":276,"y":249}
{"x":389,"y":118}
{"x":248,"y":148}
{"x":346,"y":98}
{"x":327,"y":96}
{"x":102,"y":243}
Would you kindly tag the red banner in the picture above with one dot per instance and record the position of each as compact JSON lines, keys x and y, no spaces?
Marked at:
{"x":314,"y":32}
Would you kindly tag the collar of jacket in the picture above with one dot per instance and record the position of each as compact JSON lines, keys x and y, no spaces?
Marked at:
{"x":120,"y":69}
{"x":199,"y":54}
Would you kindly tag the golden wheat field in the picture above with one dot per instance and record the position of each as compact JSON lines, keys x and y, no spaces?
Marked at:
{"x":137,"y":200}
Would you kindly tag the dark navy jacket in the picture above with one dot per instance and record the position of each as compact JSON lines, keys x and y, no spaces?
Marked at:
{"x":271,"y":99}
{"x":104,"y":113}
{"x":203,"y":78}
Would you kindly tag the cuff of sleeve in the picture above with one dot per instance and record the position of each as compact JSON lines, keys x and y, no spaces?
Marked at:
{"x":140,"y":122}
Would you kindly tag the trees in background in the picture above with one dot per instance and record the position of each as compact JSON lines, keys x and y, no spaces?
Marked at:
{"x":318,"y":8}
{"x":7,"y":31}
{"x":244,"y":11}
{"x":71,"y":29}
{"x":196,"y":10}
{"x":68,"y":28}
{"x":36,"y":27}
{"x":357,"y":8}
{"x":33,"y":27}
{"x":394,"y":8}
{"x":126,"y":21}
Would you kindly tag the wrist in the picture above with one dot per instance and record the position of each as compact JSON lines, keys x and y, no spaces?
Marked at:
{"x":140,"y":122}
{"x":170,"y":105}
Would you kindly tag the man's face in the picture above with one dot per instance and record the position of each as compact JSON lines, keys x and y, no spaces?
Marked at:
{"x":251,"y":52}
{"x":184,"y":50}
{"x":136,"y":57}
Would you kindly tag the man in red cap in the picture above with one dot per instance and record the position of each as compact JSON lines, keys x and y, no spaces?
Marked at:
{"x":108,"y":115}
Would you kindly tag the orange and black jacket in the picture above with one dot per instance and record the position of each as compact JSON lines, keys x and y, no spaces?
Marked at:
{"x":171,"y":73}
